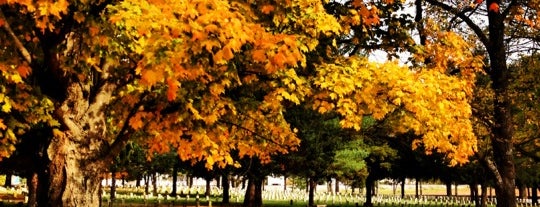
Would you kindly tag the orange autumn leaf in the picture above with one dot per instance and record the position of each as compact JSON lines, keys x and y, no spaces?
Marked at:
{"x":151,"y":77}
{"x":259,"y":56}
{"x":267,"y":9}
{"x":279,"y":60}
{"x":494,"y":7}
{"x":24,"y":70}
{"x":136,"y":122}
{"x":172,"y":89}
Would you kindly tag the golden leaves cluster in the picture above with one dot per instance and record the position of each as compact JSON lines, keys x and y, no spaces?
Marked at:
{"x":44,"y":12}
{"x":195,"y":53}
{"x":20,"y":108}
{"x":425,"y":100}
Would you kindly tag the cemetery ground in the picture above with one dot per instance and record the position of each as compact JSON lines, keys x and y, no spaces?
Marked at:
{"x":432,"y":195}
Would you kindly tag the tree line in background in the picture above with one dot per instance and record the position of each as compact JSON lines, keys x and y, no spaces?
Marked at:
{"x":268,"y":86}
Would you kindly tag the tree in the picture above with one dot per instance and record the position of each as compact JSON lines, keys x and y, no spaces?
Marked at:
{"x":208,"y":80}
{"x":509,"y":24}
{"x":100,"y":73}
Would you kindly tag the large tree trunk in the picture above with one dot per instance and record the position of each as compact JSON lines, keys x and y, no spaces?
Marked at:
{"x":72,"y":184}
{"x":502,"y":130}
{"x":253,"y":196}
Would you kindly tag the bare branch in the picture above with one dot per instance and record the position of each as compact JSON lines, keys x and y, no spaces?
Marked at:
{"x":24,"y":52}
{"x":476,"y":29}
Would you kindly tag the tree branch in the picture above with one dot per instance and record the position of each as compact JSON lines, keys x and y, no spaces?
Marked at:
{"x":123,"y":136}
{"x":493,"y":168}
{"x":528,"y":154}
{"x":252,"y":132}
{"x":24,"y":52}
{"x":476,"y":29}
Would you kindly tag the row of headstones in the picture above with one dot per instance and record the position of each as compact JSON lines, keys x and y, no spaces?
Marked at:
{"x":300,"y":195}
{"x":443,"y":201}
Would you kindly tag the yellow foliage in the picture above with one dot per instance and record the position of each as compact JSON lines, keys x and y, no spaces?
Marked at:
{"x":426,"y":100}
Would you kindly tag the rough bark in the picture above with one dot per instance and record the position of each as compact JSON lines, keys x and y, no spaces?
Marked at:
{"x":72,"y":185}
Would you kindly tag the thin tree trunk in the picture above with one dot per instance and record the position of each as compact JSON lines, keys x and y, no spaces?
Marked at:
{"x":403,"y":187}
{"x":337,"y":186}
{"x":7,"y":184}
{"x":113,"y":185}
{"x":146,"y":184}
{"x":522,"y":190}
{"x":174,"y":179}
{"x":329,"y":186}
{"x":483,"y":200}
{"x":208,"y":187}
{"x":284,"y":183}
{"x":417,"y":187}
{"x":138,"y":181}
{"x":369,"y":191}
{"x":154,"y":184}
{"x":312,"y":185}
{"x":226,"y":187}
{"x":32,"y":183}
{"x":448,"y":188}
{"x":534,"y":193}
{"x":474,"y":194}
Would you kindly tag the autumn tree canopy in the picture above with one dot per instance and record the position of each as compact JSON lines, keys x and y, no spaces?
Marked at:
{"x":208,"y":77}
